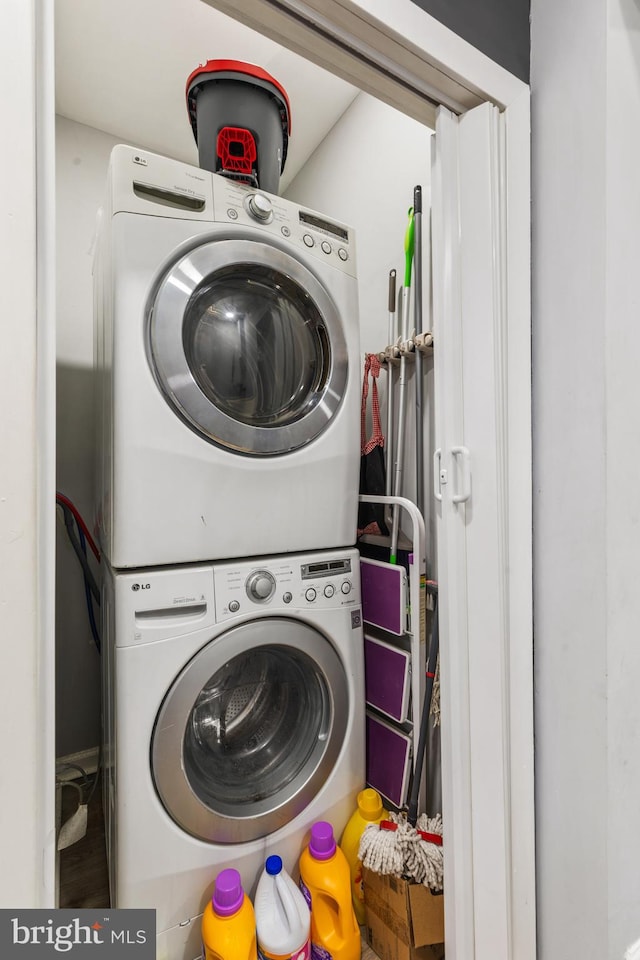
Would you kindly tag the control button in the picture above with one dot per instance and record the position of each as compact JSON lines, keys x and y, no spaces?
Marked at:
{"x":260,"y":207}
{"x":310,"y":594}
{"x":326,"y":246}
{"x":287,"y":597}
{"x":329,"y":590}
{"x":234,"y":606}
{"x":260,"y":586}
{"x":346,"y":587}
{"x":308,"y":239}
{"x":232,"y":214}
{"x":342,"y":253}
{"x":285,"y":231}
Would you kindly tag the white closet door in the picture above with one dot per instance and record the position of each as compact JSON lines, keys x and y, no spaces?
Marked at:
{"x":472,"y":481}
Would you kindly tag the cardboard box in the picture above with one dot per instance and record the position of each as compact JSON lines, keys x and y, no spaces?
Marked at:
{"x":405,"y":921}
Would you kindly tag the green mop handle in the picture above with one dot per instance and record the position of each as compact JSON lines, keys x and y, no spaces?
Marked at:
{"x":409,"y":244}
{"x":409,"y":240}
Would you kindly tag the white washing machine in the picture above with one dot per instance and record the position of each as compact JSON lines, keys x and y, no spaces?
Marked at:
{"x":227,"y":356}
{"x":234,"y":719}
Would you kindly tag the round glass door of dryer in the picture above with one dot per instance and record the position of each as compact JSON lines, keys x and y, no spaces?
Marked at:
{"x":247,"y":347}
{"x":250,"y":730}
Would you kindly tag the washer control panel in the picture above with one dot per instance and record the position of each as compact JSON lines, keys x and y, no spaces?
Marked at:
{"x":285,"y":584}
{"x":325,"y":239}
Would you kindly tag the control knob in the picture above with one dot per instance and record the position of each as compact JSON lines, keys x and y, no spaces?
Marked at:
{"x":260,"y":207}
{"x":260,"y":586}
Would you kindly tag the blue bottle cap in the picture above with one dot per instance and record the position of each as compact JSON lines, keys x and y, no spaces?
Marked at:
{"x":273,"y":866}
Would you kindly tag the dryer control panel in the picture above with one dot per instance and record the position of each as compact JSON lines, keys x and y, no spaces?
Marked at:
{"x":146,"y":183}
{"x":317,"y":235}
{"x":286,"y":584}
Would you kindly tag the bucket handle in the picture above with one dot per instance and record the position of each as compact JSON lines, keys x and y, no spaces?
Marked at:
{"x":287,"y":900}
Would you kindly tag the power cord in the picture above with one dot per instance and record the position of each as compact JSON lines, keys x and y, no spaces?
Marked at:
{"x":75,"y":827}
{"x":73,"y":522}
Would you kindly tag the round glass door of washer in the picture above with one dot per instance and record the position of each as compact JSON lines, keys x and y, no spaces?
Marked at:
{"x":247,"y":347}
{"x":250,"y":730}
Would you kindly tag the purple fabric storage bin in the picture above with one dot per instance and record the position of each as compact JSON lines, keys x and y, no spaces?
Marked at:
{"x":387,"y":678}
{"x":388,"y":760}
{"x":384,"y":595}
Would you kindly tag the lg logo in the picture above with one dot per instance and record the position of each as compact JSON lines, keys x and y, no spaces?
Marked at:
{"x":141,"y":586}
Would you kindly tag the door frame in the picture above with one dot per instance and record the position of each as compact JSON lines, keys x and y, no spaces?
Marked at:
{"x":492,"y":875}
{"x":27,"y":517}
{"x":404,"y":57}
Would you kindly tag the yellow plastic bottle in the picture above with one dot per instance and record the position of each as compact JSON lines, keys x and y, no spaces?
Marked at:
{"x":325,"y":881}
{"x":228,"y":922}
{"x":369,"y":810}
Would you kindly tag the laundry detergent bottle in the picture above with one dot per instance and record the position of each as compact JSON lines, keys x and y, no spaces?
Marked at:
{"x":369,"y":810}
{"x":325,"y":881}
{"x":283,"y":921}
{"x":228,"y":922}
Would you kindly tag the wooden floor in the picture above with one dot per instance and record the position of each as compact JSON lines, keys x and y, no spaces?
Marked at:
{"x":83,"y":867}
{"x":84,"y":881}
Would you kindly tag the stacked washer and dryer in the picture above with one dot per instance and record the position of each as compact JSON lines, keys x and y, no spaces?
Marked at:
{"x":227,"y":349}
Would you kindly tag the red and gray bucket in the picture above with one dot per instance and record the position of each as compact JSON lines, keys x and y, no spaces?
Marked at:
{"x":241,"y":121}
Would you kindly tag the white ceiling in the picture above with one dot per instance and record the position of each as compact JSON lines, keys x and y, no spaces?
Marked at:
{"x":122,"y":66}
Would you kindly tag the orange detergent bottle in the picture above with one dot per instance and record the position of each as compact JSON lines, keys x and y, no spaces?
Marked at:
{"x":228,"y":922}
{"x":325,"y":881}
{"x":369,"y":810}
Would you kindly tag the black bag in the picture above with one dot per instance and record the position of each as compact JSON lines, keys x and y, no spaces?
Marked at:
{"x":372,"y":465}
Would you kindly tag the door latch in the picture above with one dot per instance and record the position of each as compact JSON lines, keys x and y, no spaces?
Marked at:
{"x":463,"y":458}
{"x":439,"y":474}
{"x":462,"y":474}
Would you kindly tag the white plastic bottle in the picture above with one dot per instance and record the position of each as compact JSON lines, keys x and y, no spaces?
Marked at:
{"x":283,"y":921}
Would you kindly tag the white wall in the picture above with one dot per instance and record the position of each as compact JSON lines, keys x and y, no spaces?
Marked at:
{"x":586,"y":341}
{"x":364,"y":173}
{"x":82,"y":157}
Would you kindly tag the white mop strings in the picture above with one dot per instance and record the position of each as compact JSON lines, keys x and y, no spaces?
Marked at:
{"x":403,"y":852}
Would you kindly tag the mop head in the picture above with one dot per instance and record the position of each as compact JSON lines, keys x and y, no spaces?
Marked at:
{"x":403,"y":852}
{"x":380,"y":851}
{"x":427,"y":864}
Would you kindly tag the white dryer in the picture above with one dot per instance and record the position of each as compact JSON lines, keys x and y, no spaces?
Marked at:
{"x":227,"y":356}
{"x":234,"y":719}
